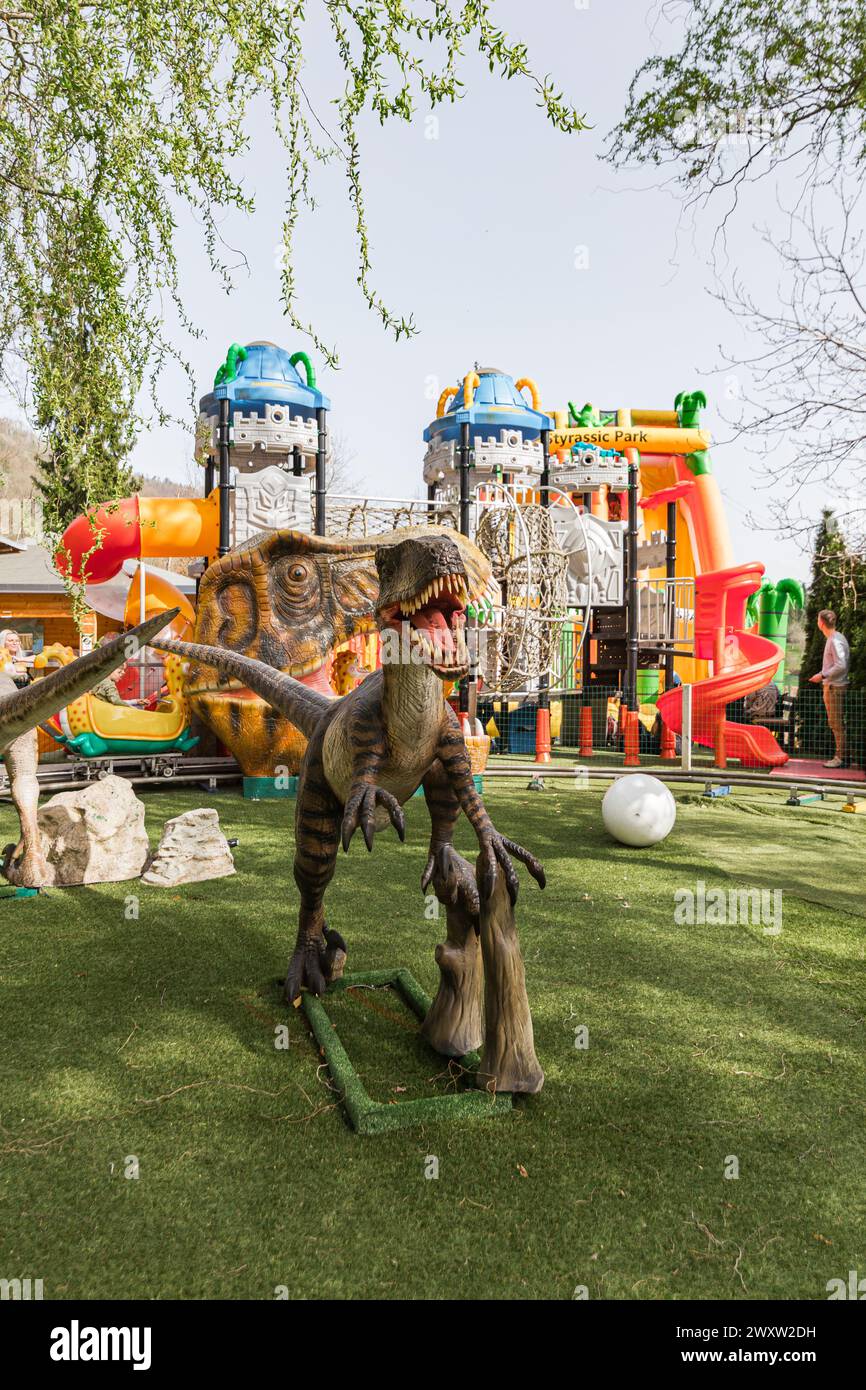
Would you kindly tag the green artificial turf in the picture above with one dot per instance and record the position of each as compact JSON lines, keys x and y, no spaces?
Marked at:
{"x":153,"y":1036}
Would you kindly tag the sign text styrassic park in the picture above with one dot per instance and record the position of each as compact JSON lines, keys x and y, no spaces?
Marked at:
{"x":653,"y":439}
{"x":605,"y":435}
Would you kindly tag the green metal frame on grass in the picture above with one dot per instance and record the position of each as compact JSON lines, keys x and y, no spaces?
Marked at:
{"x":368,"y":1116}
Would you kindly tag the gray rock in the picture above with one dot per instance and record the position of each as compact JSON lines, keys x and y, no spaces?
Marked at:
{"x":192,"y":848}
{"x":95,"y":834}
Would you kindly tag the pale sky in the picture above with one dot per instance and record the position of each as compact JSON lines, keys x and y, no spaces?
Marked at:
{"x":510,"y":244}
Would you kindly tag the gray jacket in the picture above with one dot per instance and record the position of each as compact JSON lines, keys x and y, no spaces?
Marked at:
{"x":837,"y":659}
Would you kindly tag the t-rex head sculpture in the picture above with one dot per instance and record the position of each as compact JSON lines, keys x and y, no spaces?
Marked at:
{"x":287,"y":599}
{"x":425,"y":583}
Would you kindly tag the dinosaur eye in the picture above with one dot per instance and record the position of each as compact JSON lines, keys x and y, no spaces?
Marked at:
{"x":295,"y":590}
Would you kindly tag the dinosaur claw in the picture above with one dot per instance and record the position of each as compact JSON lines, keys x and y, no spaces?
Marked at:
{"x":301,"y":976}
{"x":360,"y":810}
{"x":488,"y":873}
{"x":534,"y":865}
{"x":395,"y":811}
{"x":497,"y":852}
{"x":427,"y":875}
{"x":350,"y":819}
{"x":441,"y":858}
{"x":317,"y":960}
{"x":454,"y":879}
{"x":335,"y":955}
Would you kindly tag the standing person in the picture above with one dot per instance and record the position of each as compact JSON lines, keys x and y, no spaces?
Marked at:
{"x":834,"y":678}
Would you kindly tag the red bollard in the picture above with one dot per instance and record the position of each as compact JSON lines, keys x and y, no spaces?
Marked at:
{"x":542,"y":736}
{"x":586,"y":731}
{"x":632,"y":739}
{"x":669,"y":744}
{"x":621,"y":722}
{"x":720,"y":760}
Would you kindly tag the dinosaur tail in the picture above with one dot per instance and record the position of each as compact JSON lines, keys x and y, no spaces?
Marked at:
{"x":302,"y":706}
{"x":22,"y":710}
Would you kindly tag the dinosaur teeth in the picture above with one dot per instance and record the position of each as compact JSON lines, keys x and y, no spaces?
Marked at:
{"x":299,"y":671}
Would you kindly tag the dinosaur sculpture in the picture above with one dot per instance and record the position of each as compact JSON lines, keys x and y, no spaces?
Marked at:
{"x":369,"y":752}
{"x":587,"y":417}
{"x":286,"y":599}
{"x":22,"y":710}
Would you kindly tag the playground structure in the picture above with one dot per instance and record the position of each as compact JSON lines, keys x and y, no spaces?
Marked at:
{"x":653,"y":591}
{"x":615,"y":582}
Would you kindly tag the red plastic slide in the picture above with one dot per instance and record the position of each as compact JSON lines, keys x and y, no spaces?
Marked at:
{"x":747,"y":663}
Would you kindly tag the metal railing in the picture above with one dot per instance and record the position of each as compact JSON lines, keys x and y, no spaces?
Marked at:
{"x":666,"y":612}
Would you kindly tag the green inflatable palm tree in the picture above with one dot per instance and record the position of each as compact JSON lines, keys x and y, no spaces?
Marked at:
{"x":770,"y":607}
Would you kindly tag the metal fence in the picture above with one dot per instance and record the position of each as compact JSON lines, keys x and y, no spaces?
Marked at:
{"x":591,"y":721}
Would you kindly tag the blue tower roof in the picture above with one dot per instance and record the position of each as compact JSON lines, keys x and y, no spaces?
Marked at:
{"x":497,"y":405}
{"x":266,"y":375}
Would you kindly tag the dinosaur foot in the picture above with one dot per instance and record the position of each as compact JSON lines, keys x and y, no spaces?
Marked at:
{"x":316,"y":962}
{"x":495,"y":854}
{"x":360,"y":810}
{"x":29,"y":871}
{"x":452,"y":878}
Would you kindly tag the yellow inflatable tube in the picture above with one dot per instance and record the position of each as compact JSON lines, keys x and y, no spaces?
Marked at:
{"x":651,"y":439}
{"x":179,"y":527}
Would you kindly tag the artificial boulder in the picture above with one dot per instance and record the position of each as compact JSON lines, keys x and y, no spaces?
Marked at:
{"x":95,"y":834}
{"x":192,"y":848}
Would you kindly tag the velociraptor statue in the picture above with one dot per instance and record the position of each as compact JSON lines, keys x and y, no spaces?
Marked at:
{"x":369,"y":752}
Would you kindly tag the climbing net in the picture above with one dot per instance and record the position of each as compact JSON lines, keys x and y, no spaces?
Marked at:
{"x":529,"y":567}
{"x":520,"y":623}
{"x":348,"y":516}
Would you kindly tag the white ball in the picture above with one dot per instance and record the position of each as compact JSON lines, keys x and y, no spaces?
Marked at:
{"x":638,"y":810}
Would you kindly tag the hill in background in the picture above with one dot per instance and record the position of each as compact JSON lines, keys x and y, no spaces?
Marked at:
{"x":19,"y":495}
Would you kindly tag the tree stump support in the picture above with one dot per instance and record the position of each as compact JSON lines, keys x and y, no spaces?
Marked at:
{"x":453,"y":1025}
{"x":487,"y":941}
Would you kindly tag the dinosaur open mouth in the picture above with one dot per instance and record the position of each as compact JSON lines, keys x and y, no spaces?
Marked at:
{"x":314,"y":675}
{"x":434,"y":620}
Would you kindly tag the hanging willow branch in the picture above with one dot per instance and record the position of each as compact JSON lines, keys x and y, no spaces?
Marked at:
{"x":114,"y":115}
